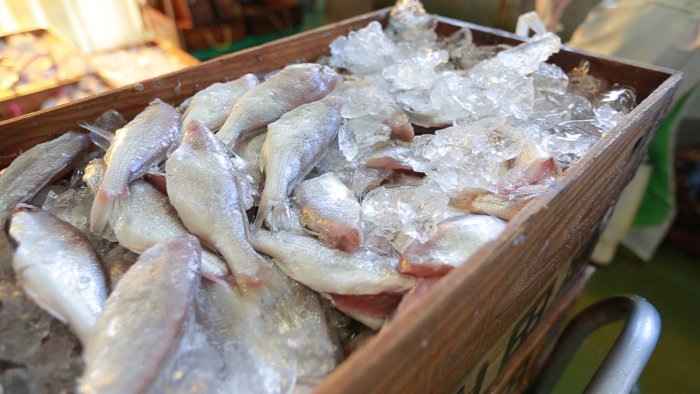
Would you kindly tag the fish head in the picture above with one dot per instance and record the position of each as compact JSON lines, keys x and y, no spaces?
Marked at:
{"x":250,"y":81}
{"x":26,"y":219}
{"x":346,"y":238}
{"x":330,"y":77}
{"x":199,"y":138}
{"x":418,"y":260}
{"x":324,"y":78}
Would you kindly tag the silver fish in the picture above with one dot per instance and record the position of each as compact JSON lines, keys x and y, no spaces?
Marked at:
{"x":293,"y":146}
{"x":148,"y":219}
{"x":327,"y":270}
{"x":202,"y":187}
{"x":281,"y":321}
{"x":482,"y":201}
{"x":330,"y":210}
{"x":59,"y":269}
{"x":37,"y":167}
{"x":291,"y":87}
{"x":212,"y":105}
{"x":532,"y":166}
{"x":454,"y":241}
{"x":141,"y":143}
{"x":143,"y":320}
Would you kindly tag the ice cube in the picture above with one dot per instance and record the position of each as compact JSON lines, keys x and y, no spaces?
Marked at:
{"x":44,"y":354}
{"x":23,"y":325}
{"x":364,"y":51}
{"x":550,"y":78}
{"x":416,"y":72}
{"x":607,"y":117}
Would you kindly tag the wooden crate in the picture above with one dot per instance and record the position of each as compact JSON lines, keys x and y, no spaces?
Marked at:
{"x":477,"y":318}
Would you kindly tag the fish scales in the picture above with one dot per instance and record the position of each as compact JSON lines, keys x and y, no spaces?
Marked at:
{"x":203,"y":188}
{"x":293,"y":146}
{"x":291,"y":87}
{"x":37,"y":167}
{"x":59,"y":269}
{"x":143,"y":320}
{"x":141,"y":143}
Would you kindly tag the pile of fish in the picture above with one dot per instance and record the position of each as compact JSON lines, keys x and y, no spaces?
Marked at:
{"x":249,"y":239}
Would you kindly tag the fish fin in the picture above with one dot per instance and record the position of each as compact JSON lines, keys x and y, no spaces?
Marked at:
{"x":105,"y":208}
{"x":276,"y":215}
{"x":214,"y":268}
{"x":99,"y":136}
{"x":307,"y":231}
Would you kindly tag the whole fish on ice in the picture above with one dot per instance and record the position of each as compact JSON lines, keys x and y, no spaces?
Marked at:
{"x":141,"y":143}
{"x":59,"y":269}
{"x":212,"y":105}
{"x":38,"y":167}
{"x":453,"y":242}
{"x":203,"y":188}
{"x":143,"y":320}
{"x":291,"y":87}
{"x":293,"y":146}
{"x":330,"y":210}
{"x":363,"y":284}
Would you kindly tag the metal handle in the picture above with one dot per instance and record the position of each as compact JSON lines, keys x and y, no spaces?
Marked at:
{"x":629,"y":355}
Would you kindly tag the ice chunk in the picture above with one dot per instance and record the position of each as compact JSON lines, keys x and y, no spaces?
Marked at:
{"x":44,"y":355}
{"x":390,"y":212}
{"x":370,"y":115}
{"x":567,"y":141}
{"x":620,"y":98}
{"x":557,"y":108}
{"x":607,"y":117}
{"x":507,"y":88}
{"x":364,"y":51}
{"x":526,"y":57}
{"x":72,"y":206}
{"x":550,"y":78}
{"x":353,"y":174}
{"x":23,"y":325}
{"x":417,"y":72}
{"x":464,"y":53}
{"x":347,"y":140}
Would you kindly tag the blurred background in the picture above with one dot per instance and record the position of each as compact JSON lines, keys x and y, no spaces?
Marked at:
{"x":54,"y":51}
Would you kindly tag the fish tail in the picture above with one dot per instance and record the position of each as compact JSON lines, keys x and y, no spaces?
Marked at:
{"x":276,"y":215}
{"x":106,"y":207}
{"x":464,"y":199}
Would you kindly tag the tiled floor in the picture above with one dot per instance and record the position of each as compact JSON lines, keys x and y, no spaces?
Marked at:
{"x":671,"y":282}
